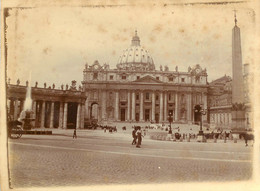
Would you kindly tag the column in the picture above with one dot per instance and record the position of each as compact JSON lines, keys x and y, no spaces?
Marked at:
{"x":34,"y":108}
{"x":61,"y":116}
{"x":52,"y":114}
{"x":65,"y":113}
{"x":116,"y":106}
{"x":98,"y":112}
{"x":153,"y":106}
{"x":43,"y":114}
{"x":15,"y":109}
{"x":141,"y":106}
{"x":82,"y":116}
{"x":189,"y":109}
{"x":230,"y":118}
{"x":165,"y":107}
{"x":128,"y":106}
{"x":133,"y":106}
{"x":11,"y":110}
{"x":87,"y":113}
{"x":161,"y":107}
{"x":104,"y":105}
{"x":21,"y":105}
{"x":176,"y":106}
{"x":78,"y":116}
{"x":34,"y":103}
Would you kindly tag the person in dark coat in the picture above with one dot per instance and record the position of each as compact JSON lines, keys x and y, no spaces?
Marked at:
{"x":134,"y":136}
{"x":139,"y":137}
{"x":75,"y":134}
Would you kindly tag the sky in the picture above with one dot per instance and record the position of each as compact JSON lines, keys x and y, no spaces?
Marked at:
{"x":53,"y":44}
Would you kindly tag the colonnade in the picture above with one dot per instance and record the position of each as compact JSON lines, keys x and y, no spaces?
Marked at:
{"x":51,"y":114}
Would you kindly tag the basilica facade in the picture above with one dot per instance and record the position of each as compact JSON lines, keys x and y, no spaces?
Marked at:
{"x":135,"y":91}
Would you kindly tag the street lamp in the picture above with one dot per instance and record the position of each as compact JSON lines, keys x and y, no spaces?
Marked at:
{"x":170,"y":119}
{"x":200,"y":112}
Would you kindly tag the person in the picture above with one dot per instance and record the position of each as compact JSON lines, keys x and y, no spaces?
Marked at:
{"x":139,"y":137}
{"x":75,"y":134}
{"x":134,"y":136}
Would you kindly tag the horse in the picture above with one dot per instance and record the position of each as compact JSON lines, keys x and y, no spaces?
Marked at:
{"x":249,"y":137}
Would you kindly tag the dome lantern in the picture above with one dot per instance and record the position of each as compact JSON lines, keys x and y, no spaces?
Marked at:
{"x":135,"y":40}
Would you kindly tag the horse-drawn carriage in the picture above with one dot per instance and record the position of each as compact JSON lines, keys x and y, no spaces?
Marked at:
{"x":14,"y":129}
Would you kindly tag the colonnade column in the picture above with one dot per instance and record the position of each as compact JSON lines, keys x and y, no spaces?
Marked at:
{"x":161,"y":107}
{"x":82,"y":118}
{"x":61,"y":116}
{"x":116,"y":105}
{"x":176,"y":106}
{"x":43,"y":114}
{"x":21,"y":105}
{"x":141,"y":106}
{"x":15,"y":109}
{"x":165,"y":106}
{"x":78,"y":117}
{"x":65,"y":113}
{"x":128,"y":106}
{"x":133,"y":106}
{"x":34,"y":112}
{"x":153,"y":106}
{"x":52,"y":115}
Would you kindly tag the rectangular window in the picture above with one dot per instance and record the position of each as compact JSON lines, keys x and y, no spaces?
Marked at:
{"x":170,"y":97}
{"x":171,"y":79}
{"x":182,"y":79}
{"x":147,"y":96}
{"x":137,"y":77}
{"x":157,"y":98}
{"x":137,"y":97}
{"x":95,"y":76}
{"x":111,"y":77}
{"x":123,"y":77}
{"x":157,"y":78}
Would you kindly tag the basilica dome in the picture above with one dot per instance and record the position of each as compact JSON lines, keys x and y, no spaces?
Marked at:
{"x":136,"y":57}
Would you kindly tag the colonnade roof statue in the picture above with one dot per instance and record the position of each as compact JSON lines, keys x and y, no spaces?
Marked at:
{"x":136,"y":57}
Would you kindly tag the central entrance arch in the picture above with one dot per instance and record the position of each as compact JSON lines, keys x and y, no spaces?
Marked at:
{"x":197,"y":114}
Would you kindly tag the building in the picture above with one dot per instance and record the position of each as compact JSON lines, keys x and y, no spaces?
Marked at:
{"x":248,"y":87}
{"x":135,"y":91}
{"x":220,"y":102}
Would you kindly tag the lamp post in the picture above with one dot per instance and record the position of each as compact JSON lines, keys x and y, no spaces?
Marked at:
{"x":200,"y":111}
{"x":170,"y":119}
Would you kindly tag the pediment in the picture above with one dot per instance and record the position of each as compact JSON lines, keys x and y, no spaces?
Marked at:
{"x":148,"y":79}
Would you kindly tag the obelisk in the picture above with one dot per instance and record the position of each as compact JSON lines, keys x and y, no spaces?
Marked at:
{"x":238,"y":109}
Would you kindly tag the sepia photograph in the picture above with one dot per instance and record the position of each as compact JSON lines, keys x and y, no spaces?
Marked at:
{"x":120,"y":93}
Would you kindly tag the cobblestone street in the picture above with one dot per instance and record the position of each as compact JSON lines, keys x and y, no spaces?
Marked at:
{"x":99,"y":158}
